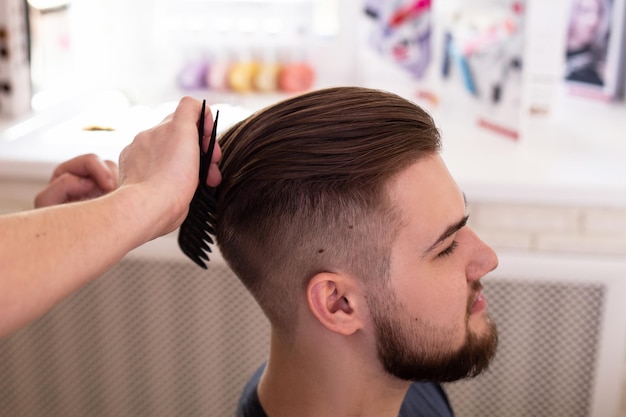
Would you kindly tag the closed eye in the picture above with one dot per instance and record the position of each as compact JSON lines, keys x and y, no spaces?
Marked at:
{"x":449,"y":250}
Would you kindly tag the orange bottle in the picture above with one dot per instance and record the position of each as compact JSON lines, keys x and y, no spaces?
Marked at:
{"x":241,"y":74}
{"x":296,"y":75}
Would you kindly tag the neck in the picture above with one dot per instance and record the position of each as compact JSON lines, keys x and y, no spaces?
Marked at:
{"x":327,"y":376}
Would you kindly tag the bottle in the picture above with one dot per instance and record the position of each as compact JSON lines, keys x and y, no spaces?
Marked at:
{"x":216,"y":77}
{"x":241,"y":73}
{"x":296,"y":76}
{"x":265,"y":78}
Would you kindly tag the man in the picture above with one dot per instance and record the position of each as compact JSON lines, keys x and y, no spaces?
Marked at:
{"x":48,"y":253}
{"x":338,"y":214}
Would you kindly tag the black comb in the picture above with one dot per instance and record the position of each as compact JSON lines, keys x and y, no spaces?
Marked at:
{"x":194,"y":235}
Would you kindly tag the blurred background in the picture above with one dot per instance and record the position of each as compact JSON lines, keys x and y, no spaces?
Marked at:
{"x":529,"y":98}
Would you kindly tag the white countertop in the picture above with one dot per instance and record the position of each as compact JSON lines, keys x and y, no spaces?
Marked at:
{"x":555,"y":162}
{"x":32,"y":147}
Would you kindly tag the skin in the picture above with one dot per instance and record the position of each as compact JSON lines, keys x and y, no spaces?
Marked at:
{"x":432,"y":323}
{"x":422,"y":273}
{"x":332,"y":365}
{"x":50,"y":252}
{"x":80,"y":178}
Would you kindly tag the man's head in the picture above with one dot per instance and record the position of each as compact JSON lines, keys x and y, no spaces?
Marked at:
{"x":348,"y":183}
{"x":431,"y":322}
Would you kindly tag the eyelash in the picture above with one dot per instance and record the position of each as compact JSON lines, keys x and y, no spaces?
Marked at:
{"x":449,"y":250}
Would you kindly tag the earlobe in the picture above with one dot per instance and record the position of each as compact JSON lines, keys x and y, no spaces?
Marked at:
{"x":332,"y":300}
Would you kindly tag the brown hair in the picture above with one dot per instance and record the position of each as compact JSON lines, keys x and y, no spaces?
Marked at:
{"x":303,"y":190}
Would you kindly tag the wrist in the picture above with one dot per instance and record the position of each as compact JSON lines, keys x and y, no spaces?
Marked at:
{"x":147,"y":214}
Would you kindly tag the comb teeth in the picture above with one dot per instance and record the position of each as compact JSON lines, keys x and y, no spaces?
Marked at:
{"x":194,"y":235}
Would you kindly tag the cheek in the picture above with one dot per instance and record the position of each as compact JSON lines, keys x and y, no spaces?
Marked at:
{"x":443,"y":311}
{"x":440,"y":300}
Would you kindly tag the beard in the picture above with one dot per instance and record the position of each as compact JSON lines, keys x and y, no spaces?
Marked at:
{"x":417,"y":351}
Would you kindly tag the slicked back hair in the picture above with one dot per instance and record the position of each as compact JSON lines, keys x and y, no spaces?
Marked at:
{"x":304,"y":191}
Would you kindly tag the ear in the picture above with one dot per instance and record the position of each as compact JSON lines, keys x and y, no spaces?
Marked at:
{"x":335,"y":300}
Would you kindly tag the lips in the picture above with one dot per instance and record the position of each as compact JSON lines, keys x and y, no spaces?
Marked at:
{"x":479,"y":304}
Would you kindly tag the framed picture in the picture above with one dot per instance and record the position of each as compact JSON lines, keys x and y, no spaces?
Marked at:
{"x":595,"y":48}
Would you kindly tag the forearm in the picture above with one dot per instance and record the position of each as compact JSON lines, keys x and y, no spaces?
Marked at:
{"x":47,"y":254}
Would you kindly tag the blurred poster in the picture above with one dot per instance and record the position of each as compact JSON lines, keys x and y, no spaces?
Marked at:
{"x":594,"y":48}
{"x":401,"y":33}
{"x":482,"y":63}
{"x":396,"y":46}
{"x":460,"y":58}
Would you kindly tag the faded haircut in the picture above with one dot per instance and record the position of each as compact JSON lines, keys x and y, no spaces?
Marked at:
{"x":304,"y":191}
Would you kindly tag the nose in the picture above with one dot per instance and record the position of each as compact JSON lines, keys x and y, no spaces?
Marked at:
{"x":483,"y":259}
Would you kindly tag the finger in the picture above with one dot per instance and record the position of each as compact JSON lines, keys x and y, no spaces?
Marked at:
{"x":105,"y":175}
{"x":77,"y":166}
{"x":215,"y":176}
{"x":187,"y":111}
{"x":115,"y":173}
{"x":89,"y":166}
{"x":63,"y":189}
{"x":185,"y":105}
{"x":217,"y":153}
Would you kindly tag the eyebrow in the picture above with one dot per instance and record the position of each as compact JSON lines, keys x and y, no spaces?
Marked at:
{"x":452,"y":229}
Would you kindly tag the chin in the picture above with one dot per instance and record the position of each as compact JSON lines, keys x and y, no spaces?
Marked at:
{"x":480,"y":324}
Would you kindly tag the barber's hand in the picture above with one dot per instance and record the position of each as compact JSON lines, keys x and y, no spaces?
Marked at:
{"x":162,"y":164}
{"x":80,"y":178}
